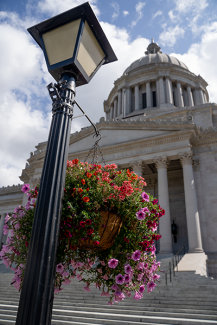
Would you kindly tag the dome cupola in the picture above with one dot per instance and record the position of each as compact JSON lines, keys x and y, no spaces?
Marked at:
{"x":154,"y":83}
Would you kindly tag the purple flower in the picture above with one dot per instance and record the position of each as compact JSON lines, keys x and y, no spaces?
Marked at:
{"x":119,"y":279}
{"x":115,"y":287}
{"x":60,"y":268}
{"x":127,"y":269}
{"x":142,"y":288}
{"x":112,"y":263}
{"x":146,"y":210}
{"x":136,"y":255}
{"x":126,"y":278}
{"x":145,"y":196}
{"x":156,"y":277}
{"x":140,"y":215}
{"x":5,"y":230}
{"x":25,"y":188}
{"x":150,"y":286}
{"x":137,"y":296}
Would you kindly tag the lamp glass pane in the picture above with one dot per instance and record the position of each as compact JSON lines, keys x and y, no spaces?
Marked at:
{"x":90,"y":53}
{"x":60,"y":42}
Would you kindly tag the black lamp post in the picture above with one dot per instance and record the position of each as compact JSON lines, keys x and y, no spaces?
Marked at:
{"x":75,"y":47}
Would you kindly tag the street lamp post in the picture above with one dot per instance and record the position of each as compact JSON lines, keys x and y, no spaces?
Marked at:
{"x":75,"y":47}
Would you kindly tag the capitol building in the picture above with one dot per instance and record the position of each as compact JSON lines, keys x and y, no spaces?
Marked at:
{"x":159,"y":123}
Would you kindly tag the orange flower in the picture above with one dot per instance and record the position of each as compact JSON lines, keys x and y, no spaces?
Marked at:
{"x":80,"y":190}
{"x":83,"y":181}
{"x":89,"y":175}
{"x":86,"y":199}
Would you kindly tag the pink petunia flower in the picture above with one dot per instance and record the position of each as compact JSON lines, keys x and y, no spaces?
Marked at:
{"x":127,"y":269}
{"x":119,"y":279}
{"x":66,"y":281}
{"x":137,"y":296}
{"x":79,"y":277}
{"x":25,"y":188}
{"x":60,"y":268}
{"x":145,"y":196}
{"x":150,"y":286}
{"x":141,"y":288}
{"x":87,"y":289}
{"x":112,"y":263}
{"x":140,"y":215}
{"x":136,"y":255}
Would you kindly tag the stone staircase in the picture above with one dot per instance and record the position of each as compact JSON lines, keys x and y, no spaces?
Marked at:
{"x":190,"y":299}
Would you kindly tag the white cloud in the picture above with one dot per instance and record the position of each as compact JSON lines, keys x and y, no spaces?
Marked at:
{"x":158,"y":13}
{"x":170,"y":35}
{"x":125,"y":13}
{"x":186,"y":6}
{"x":201,"y":58}
{"x":139,"y":7}
{"x":115,"y":14}
{"x":54,"y":7}
{"x":173,"y":17}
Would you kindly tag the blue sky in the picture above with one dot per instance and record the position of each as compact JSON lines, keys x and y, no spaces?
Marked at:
{"x":187,"y":29}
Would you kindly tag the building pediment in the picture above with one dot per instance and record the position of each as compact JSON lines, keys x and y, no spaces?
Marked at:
{"x":124,"y":132}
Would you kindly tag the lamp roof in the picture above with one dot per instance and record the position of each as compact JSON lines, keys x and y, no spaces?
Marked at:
{"x":83,"y":11}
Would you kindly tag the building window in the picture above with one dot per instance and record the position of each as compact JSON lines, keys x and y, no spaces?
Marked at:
{"x":144,"y":102}
{"x":154,"y":99}
{"x":174,"y":98}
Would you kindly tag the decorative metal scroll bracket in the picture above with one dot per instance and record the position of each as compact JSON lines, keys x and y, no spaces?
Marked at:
{"x":61,"y":97}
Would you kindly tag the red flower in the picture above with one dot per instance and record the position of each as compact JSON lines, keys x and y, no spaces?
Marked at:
{"x":90,"y":231}
{"x":88,"y":175}
{"x":96,"y":242}
{"x":80,"y":190}
{"x":86,"y":199}
{"x":82,"y":223}
{"x":88,"y":222}
{"x":83,"y":181}
{"x":75,"y":161}
{"x":88,"y":189}
{"x":73,"y":247}
{"x":126,"y":240}
{"x":26,"y":243}
{"x":156,"y":237}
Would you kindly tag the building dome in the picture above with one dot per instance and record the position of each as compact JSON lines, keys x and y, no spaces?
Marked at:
{"x":155,"y":83}
{"x":154,"y":55}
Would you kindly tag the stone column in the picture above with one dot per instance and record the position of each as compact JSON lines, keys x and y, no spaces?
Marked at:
{"x":137,"y":167}
{"x":190,"y":97}
{"x":162,"y":93}
{"x":2,"y":222}
{"x":192,"y":214}
{"x":124,"y":101}
{"x":179,"y":93}
{"x":201,"y":97}
{"x":136,"y":97}
{"x":169,"y":91}
{"x":158,"y":93}
{"x":119,"y":102}
{"x":111,"y":112}
{"x":148,"y":95}
{"x":163,"y":196}
{"x":115,"y":107}
{"x":128,"y":100}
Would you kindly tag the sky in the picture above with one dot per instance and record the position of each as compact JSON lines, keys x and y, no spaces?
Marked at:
{"x":186,"y":29}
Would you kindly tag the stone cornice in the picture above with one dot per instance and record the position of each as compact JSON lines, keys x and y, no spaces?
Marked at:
{"x":11,"y":189}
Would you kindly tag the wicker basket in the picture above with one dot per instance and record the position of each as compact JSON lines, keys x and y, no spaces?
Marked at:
{"x":107,"y":234}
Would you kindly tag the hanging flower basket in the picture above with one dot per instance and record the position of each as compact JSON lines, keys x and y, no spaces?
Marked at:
{"x":107,"y":232}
